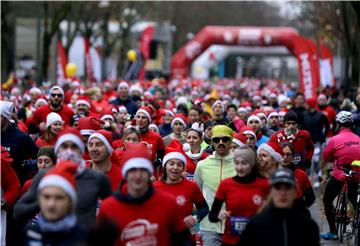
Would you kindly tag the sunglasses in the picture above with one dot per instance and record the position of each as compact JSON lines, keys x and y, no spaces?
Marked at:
{"x":56,"y":95}
{"x":223,"y":139}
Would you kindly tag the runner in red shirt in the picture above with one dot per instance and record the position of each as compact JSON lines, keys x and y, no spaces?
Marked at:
{"x":130,"y":135}
{"x":243,"y":195}
{"x":37,"y":121}
{"x":100,"y":152}
{"x":142,"y":214}
{"x":54,"y":124}
{"x":186,"y":193}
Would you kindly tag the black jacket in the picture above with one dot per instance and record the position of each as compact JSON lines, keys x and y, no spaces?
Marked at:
{"x":21,"y":147}
{"x":280,"y":227}
{"x":317,"y":124}
{"x":130,"y":105}
{"x":91,"y":185}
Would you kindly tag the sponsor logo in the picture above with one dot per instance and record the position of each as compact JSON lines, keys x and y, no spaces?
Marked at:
{"x":192,"y":49}
{"x":249,"y":36}
{"x":140,"y":232}
{"x":306,"y":72}
{"x":180,"y":200}
{"x":257,"y":200}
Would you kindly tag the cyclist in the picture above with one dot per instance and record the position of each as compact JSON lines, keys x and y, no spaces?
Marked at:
{"x":342,"y":149}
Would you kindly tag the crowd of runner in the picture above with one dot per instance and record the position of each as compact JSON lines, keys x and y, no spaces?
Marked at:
{"x":184,"y":162}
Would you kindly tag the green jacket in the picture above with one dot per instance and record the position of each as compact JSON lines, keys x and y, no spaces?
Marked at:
{"x":208,"y":175}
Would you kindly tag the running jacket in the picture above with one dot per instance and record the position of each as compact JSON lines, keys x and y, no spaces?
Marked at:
{"x":208,"y":175}
{"x":343,"y":149}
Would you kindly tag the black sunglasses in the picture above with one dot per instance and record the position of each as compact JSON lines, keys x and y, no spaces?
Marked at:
{"x":56,"y":95}
{"x":223,"y":139}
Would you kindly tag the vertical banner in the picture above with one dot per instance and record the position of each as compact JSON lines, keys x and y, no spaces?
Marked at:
{"x":326,"y":66}
{"x":88,"y":61}
{"x":316,"y":65}
{"x":145,"y":40}
{"x":61,"y":63}
{"x":303,"y":53}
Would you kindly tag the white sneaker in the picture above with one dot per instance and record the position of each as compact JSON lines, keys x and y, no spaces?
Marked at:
{"x":316,"y":184}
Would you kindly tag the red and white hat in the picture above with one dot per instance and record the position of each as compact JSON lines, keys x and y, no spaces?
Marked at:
{"x":83,"y":100}
{"x":248,"y":130}
{"x":219,"y":102}
{"x":123,"y":84}
{"x":40,"y":101}
{"x":146,"y":111}
{"x":272,"y":113}
{"x":123,"y":109}
{"x":107,"y":113}
{"x":167,"y":111}
{"x":56,"y":88}
{"x":52,"y":118}
{"x":105,"y":137}
{"x":137,"y":88}
{"x":174,"y":151}
{"x":136,"y":156}
{"x":179,"y":117}
{"x":274,"y":149}
{"x":89,"y":125}
{"x":70,"y":134}
{"x":253,"y":118}
{"x":62,"y":176}
{"x":238,"y":139}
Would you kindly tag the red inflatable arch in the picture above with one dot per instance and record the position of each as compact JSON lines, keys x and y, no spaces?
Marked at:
{"x":303,"y":49}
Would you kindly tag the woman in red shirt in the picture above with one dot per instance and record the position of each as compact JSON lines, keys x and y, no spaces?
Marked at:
{"x":243,"y":195}
{"x":54,"y":124}
{"x":130,"y":135}
{"x":185,"y":192}
{"x":194,"y":152}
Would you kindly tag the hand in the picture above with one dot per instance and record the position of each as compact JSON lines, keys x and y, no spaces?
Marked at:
{"x":152,"y":179}
{"x":184,"y":175}
{"x":223,"y":214}
{"x":190,"y":221}
{"x":42,"y":126}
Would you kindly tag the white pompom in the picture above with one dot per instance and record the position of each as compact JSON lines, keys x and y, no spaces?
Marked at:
{"x":186,"y":147}
{"x":106,"y":125}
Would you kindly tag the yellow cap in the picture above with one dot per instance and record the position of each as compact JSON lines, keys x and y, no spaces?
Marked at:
{"x":221,"y":131}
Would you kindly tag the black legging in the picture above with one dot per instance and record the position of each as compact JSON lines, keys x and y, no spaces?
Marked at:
{"x":333,"y":188}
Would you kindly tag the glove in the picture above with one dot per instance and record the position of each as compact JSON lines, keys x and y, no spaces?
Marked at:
{"x":157,"y":163}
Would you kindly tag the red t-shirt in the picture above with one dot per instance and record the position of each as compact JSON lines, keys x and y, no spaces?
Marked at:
{"x":186,"y":193}
{"x":115,"y":177}
{"x":242,"y":200}
{"x":40,"y":142}
{"x":155,"y":141}
{"x":145,"y":223}
{"x":191,"y":164}
{"x":302,"y":182}
{"x":41,"y":113}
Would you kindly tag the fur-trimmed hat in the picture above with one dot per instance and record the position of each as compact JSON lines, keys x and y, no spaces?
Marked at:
{"x":274,"y":149}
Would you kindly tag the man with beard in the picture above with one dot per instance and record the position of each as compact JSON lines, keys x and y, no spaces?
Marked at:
{"x":38,"y":119}
{"x":328,"y":111}
{"x":356,"y":115}
{"x":208,"y":175}
{"x":91,"y":185}
{"x":300,"y":139}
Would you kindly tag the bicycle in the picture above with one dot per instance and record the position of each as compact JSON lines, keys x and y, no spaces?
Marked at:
{"x":341,"y":217}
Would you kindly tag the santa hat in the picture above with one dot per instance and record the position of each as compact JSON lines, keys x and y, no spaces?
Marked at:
{"x":83,"y":100}
{"x":56,"y":88}
{"x":136,"y":156}
{"x":105,"y":137}
{"x":63,"y":177}
{"x":169,"y":112}
{"x":174,"y":151}
{"x":218,"y":102}
{"x":273,"y":113}
{"x":89,"y":125}
{"x":137,"y":88}
{"x":198,"y":127}
{"x":272,"y":95}
{"x":35,"y":90}
{"x":180,"y":118}
{"x":254,"y":118}
{"x":39,"y":101}
{"x":123,"y":84}
{"x":107,"y":113}
{"x":242,"y":110}
{"x":154,"y":126}
{"x":122,"y":109}
{"x":6,"y":109}
{"x":146,"y":111}
{"x":70,"y":134}
{"x":274,"y":149}
{"x":181,"y":100}
{"x":283,"y":112}
{"x":52,"y":118}
{"x":237,"y":139}
{"x":322,"y":96}
{"x":282,"y":98}
{"x":248,"y":130}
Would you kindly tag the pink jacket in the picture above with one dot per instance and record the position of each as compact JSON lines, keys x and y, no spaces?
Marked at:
{"x":343,"y":149}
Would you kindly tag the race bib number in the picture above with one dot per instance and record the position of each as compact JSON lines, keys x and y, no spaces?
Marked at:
{"x":238,"y":225}
{"x":190,"y":176}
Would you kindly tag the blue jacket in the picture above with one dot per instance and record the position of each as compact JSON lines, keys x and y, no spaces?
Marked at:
{"x":165,"y":129}
{"x":21,"y":147}
{"x":130,"y":105}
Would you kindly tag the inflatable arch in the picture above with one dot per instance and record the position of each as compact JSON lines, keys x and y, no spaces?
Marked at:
{"x":303,"y":49}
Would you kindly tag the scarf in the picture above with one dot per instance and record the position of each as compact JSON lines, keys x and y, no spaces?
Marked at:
{"x":64,"y":225}
{"x":195,"y":156}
